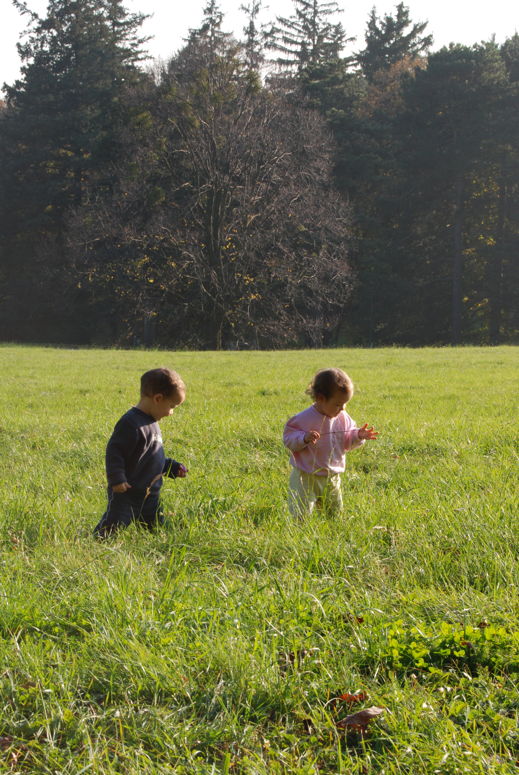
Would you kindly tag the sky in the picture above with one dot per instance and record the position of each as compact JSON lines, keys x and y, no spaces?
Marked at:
{"x":458,"y":21}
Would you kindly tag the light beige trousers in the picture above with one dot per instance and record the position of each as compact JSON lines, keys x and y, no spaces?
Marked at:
{"x":305,"y":491}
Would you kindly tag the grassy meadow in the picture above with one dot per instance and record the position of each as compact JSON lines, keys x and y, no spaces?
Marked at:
{"x":229,"y":640}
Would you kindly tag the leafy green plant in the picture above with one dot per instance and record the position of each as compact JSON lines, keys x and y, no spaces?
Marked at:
{"x":426,"y":647}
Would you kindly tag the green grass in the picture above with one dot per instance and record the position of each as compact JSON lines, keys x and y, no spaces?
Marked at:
{"x":218,"y":644}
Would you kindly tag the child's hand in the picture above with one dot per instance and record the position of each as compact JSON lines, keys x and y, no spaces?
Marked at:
{"x":182,"y":470}
{"x":121,"y":487}
{"x":311,"y":437}
{"x":366,"y":433}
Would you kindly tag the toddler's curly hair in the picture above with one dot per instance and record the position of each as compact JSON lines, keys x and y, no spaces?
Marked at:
{"x":327,"y":381}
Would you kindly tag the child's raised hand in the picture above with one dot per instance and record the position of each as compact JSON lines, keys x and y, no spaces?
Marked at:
{"x":366,"y":433}
{"x":311,"y":437}
{"x":182,"y":470}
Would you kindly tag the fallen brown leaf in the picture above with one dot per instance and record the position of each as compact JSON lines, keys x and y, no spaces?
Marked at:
{"x":353,"y":618}
{"x":359,"y":721}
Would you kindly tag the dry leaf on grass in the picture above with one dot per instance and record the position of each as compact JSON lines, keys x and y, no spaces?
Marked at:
{"x":336,"y":704}
{"x":353,"y":618}
{"x":358,"y":722}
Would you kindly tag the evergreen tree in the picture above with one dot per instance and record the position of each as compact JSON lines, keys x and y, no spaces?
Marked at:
{"x":452,"y":129}
{"x":308,"y":38}
{"x":61,"y":130}
{"x":309,"y":47}
{"x":209,"y":40}
{"x":253,"y":44}
{"x":502,"y":206}
{"x":510,"y":54}
{"x":391,"y":39}
{"x":428,"y":157}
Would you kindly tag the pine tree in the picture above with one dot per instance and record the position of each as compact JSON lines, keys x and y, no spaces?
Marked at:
{"x":61,"y":128}
{"x":452,"y":138}
{"x":309,"y":47}
{"x":501,"y":275}
{"x":209,"y":40}
{"x":390,"y":40}
{"x":66,"y":108}
{"x":253,"y":44}
{"x":308,"y":39}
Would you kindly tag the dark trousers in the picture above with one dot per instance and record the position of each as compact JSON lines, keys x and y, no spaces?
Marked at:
{"x":129,"y":506}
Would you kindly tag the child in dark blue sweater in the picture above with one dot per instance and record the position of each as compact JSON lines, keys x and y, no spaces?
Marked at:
{"x":135,"y":458}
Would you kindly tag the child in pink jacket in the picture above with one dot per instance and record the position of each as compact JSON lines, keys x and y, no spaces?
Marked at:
{"x":318,"y":439}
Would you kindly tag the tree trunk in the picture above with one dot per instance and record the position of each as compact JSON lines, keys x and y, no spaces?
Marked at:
{"x":495,"y":272}
{"x":148,"y":336}
{"x":457,"y":265}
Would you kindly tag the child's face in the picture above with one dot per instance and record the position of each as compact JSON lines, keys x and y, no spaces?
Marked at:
{"x":333,"y":406}
{"x":163,"y":406}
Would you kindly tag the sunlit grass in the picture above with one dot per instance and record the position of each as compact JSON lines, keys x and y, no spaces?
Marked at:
{"x":216,"y":644}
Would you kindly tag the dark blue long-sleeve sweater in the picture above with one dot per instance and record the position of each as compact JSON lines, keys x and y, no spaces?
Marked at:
{"x":135,"y":453}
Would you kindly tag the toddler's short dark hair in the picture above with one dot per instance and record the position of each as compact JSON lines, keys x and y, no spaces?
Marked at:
{"x":164,"y":381}
{"x":327,"y":381}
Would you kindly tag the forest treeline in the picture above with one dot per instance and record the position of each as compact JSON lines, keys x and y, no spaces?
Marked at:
{"x":263,"y":192}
